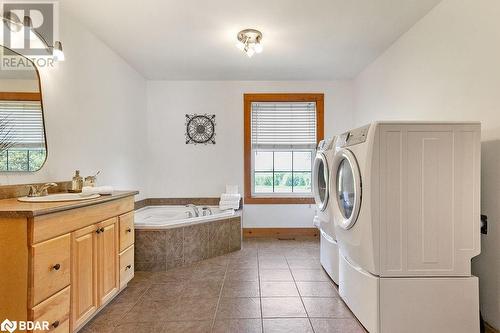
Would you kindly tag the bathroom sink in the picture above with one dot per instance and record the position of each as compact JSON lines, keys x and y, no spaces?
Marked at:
{"x":59,"y":197}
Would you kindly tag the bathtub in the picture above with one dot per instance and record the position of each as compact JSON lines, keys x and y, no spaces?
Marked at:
{"x":165,"y":217}
{"x":168,"y":237}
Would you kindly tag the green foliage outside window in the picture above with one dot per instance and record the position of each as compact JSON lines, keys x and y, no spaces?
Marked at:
{"x":283,"y":182}
{"x":282,"y":171}
{"x":22,"y":159}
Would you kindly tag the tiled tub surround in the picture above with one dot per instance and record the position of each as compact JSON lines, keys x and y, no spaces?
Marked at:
{"x":165,"y":249}
{"x":176,"y":201}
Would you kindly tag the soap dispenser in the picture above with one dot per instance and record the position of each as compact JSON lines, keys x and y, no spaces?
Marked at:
{"x":77,"y":182}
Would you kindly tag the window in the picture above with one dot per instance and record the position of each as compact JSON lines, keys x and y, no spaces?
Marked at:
{"x":22,"y":135}
{"x":281,"y":133}
{"x":282,"y":172}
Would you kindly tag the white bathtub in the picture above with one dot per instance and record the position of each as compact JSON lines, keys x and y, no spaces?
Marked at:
{"x":165,"y":217}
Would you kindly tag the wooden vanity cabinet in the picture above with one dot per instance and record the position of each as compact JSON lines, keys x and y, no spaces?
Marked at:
{"x":95,"y":277}
{"x":67,"y":265}
{"x":107,"y":254}
{"x":50,"y":267}
{"x":84,"y":301}
{"x":126,"y":257}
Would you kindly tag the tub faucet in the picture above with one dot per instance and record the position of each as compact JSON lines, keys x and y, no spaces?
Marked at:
{"x":207,"y":209}
{"x":40,"y":190}
{"x":195,"y":209}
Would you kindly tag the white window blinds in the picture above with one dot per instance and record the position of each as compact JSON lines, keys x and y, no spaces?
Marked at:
{"x":23,"y":123}
{"x":283,"y":125}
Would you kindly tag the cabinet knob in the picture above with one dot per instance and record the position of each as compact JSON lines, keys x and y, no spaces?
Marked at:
{"x":102,"y":229}
{"x":56,"y":267}
{"x":98,"y":231}
{"x":55,"y":324}
{"x":128,"y":230}
{"x":128,"y":267}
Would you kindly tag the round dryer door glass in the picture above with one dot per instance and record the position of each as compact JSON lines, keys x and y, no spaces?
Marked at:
{"x":321,"y":181}
{"x":347,"y":184}
{"x":345,"y":188}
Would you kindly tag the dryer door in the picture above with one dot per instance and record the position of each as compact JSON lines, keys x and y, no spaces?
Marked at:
{"x":347,"y":187}
{"x":320,"y":181}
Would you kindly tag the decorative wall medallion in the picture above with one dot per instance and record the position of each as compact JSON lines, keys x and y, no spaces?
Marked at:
{"x":200,"y":128}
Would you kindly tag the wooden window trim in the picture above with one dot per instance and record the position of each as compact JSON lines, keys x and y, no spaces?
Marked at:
{"x":20,"y":96}
{"x":247,"y":109}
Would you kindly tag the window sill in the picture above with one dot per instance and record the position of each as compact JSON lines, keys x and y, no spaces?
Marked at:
{"x":278,"y":200}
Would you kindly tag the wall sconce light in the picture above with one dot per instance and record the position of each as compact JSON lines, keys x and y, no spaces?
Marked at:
{"x":57,"y":51}
{"x":14,"y":24}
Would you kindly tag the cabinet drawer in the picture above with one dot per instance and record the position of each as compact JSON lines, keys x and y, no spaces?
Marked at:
{"x":126,"y":230}
{"x":126,"y":266}
{"x":50,"y":267}
{"x":55,"y":311}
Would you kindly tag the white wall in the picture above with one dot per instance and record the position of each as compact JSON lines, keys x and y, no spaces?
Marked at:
{"x":447,"y":67}
{"x":94,"y":105}
{"x":180,"y":170}
{"x":19,"y":85}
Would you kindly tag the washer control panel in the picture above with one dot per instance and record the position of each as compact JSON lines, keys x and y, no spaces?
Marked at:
{"x":353,"y":137}
{"x":325,"y":144}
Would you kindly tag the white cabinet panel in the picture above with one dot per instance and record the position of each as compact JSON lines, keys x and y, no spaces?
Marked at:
{"x":429,"y":199}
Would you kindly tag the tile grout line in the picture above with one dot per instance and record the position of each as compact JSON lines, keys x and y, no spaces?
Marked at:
{"x":261,"y":253}
{"x":220,"y":296}
{"x":131,"y":308}
{"x":260,"y":292}
{"x":300,"y":295}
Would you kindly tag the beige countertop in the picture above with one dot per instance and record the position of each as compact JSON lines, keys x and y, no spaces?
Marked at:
{"x":14,"y":208}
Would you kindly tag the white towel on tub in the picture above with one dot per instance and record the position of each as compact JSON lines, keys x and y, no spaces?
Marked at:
{"x":232,"y":189}
{"x":230,"y":197}
{"x":227,"y":207}
{"x":232,"y":204}
{"x":229,"y":202}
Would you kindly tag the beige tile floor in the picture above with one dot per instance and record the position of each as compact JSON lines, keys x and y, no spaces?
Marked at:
{"x":269,"y":286}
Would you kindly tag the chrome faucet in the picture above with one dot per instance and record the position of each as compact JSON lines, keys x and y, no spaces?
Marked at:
{"x":206,"y":209}
{"x":40,"y":190}
{"x":195,"y":209}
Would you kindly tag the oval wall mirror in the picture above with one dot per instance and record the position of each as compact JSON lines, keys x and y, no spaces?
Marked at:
{"x":23,"y":146}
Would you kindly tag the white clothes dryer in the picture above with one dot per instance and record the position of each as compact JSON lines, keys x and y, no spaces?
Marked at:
{"x":329,"y":251}
{"x":405,"y":205}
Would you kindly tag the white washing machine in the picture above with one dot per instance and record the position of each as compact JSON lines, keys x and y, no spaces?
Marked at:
{"x":405,"y":203}
{"x":329,"y":250}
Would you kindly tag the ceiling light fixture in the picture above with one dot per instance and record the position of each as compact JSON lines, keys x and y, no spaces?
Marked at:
{"x":250,"y":41}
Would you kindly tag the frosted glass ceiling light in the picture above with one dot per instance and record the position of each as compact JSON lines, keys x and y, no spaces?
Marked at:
{"x":250,"y":52}
{"x":240,"y":46}
{"x":258,"y":48}
{"x":250,"y":41}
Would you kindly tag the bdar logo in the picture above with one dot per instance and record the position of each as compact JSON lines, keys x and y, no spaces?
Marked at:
{"x":8,"y":325}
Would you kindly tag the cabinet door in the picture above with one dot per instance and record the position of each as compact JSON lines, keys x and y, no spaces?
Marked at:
{"x":84,"y":300}
{"x":108,"y":259}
